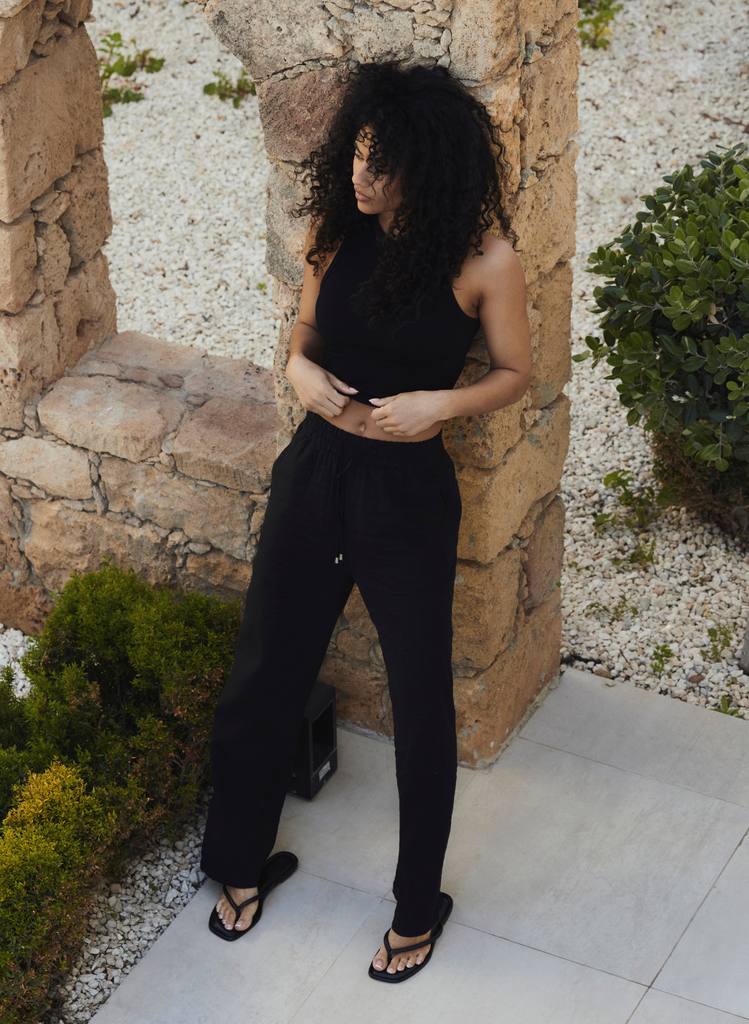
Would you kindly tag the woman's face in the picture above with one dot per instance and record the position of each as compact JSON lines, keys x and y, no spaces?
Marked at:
{"x":373,"y":195}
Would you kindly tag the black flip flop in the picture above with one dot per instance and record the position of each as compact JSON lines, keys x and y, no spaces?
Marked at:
{"x":444,"y":909}
{"x":276,"y":869}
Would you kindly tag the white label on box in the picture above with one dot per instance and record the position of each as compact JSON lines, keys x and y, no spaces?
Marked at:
{"x":324,"y":770}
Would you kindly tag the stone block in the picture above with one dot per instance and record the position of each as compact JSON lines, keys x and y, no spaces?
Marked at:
{"x":17,"y":263}
{"x":85,"y":309}
{"x":492,"y":705}
{"x":60,"y":471}
{"x":105,"y":415}
{"x":62,"y":540}
{"x":54,"y":258}
{"x":50,"y":206}
{"x":362,"y":696}
{"x":76,"y":12}
{"x":502,"y":100}
{"x":217,"y":575}
{"x":544,"y":555}
{"x":378,"y":35}
{"x":208,"y":515}
{"x":296,"y":112}
{"x":495,"y":501}
{"x":551,"y":296}
{"x":49,"y":113}
{"x":17,"y":36}
{"x":549,"y":90}
{"x":29,"y":344}
{"x":10,"y":8}
{"x":23,"y":607}
{"x":237,"y":379}
{"x":11,"y":556}
{"x":486,"y":38}
{"x":132,"y":350}
{"x":290,"y":409}
{"x":356,"y":615}
{"x":551,"y":19}
{"x":230,"y":443}
{"x":484,"y":609}
{"x":352,"y":646}
{"x":542,"y":216}
{"x":272,"y":35}
{"x":285,"y":235}
{"x":87,"y":219}
{"x":483,"y":440}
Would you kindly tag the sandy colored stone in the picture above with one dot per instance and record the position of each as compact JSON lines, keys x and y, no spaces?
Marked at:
{"x":362,"y":697}
{"x":542,"y":215}
{"x":271,"y":35}
{"x":495,"y":501}
{"x":549,"y":90}
{"x":484,"y":609}
{"x":502,"y":100}
{"x":17,"y":263}
{"x":208,"y":515}
{"x":290,"y":409}
{"x":23,"y":606}
{"x":17,"y":36}
{"x":49,"y":114}
{"x":485,"y":38}
{"x":142,"y":351}
{"x":76,"y":12}
{"x":490,"y":706}
{"x":60,"y":471}
{"x":353,"y":646}
{"x":62,"y":540}
{"x":379,"y":35}
{"x":544,"y":555}
{"x":296,"y":112}
{"x":105,"y":415}
{"x":551,"y":295}
{"x":230,"y":443}
{"x":29,"y":344}
{"x":550,"y":19}
{"x":54,"y":258}
{"x":285,"y":235}
{"x":356,"y":615}
{"x":217,"y":575}
{"x":10,"y":8}
{"x":11,"y":557}
{"x":237,"y":379}
{"x":86,"y":310}
{"x":55,"y":209}
{"x":483,"y":440}
{"x":87,"y":219}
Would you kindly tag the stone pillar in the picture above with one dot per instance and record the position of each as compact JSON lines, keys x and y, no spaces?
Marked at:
{"x":520,"y":58}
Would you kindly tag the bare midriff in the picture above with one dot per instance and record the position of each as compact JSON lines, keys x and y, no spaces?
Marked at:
{"x":356,"y":418}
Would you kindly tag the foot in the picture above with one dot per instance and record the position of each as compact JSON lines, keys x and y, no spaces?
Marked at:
{"x":226,"y":913}
{"x":400,"y":963}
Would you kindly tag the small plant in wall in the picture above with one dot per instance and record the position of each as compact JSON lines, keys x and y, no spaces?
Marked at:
{"x":225,"y":89}
{"x":114,"y":62}
{"x":594,"y":24}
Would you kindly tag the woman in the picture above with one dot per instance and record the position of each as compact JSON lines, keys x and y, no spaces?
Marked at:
{"x":400,"y":271}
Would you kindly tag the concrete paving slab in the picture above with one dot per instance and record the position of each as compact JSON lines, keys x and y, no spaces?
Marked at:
{"x":660,"y":1008}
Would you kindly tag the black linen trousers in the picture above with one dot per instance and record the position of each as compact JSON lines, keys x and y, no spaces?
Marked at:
{"x":344,"y":509}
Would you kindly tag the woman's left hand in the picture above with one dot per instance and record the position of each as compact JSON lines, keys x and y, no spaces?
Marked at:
{"x":408,"y":414}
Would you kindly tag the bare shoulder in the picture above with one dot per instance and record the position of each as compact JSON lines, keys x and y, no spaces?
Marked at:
{"x":496,"y":272}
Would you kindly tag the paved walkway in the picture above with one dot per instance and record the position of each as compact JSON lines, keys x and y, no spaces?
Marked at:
{"x":600,"y":872}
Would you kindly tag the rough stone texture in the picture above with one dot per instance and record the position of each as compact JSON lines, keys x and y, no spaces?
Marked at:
{"x":217,"y":575}
{"x":23,"y":607}
{"x":484,"y":610}
{"x":105,"y":415}
{"x":60,"y":471}
{"x":378,"y":35}
{"x":236,"y":379}
{"x":545,"y":551}
{"x":290,"y":409}
{"x":49,"y":113}
{"x":283,"y":33}
{"x":75,"y":12}
{"x":284,"y":234}
{"x":491,"y":705}
{"x":9,"y":8}
{"x":295,"y":112}
{"x":495,"y":501}
{"x":483,"y":440}
{"x":17,"y":36}
{"x":549,"y":90}
{"x":486,"y":38}
{"x":62,"y":540}
{"x":208,"y":515}
{"x":54,"y":258}
{"x":362,"y":696}
{"x":550,"y":19}
{"x":502,"y":100}
{"x":229,"y":443}
{"x":87,"y":219}
{"x":11,"y":557}
{"x":551,"y":295}
{"x":17,"y":263}
{"x":141,"y":351}
{"x":86,"y":311}
{"x":542,"y":216}
{"x":29,"y":344}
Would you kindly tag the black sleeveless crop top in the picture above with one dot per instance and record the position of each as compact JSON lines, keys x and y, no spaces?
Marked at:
{"x":425,"y":355}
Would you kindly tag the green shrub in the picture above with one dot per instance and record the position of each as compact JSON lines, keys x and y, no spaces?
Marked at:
{"x":593,"y":26}
{"x":114,"y":62}
{"x":124,"y":679}
{"x":675,"y":311}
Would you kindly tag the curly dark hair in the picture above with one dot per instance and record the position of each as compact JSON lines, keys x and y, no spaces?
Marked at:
{"x":426,"y":126}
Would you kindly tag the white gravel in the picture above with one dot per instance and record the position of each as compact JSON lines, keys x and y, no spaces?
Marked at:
{"x":187,"y":176}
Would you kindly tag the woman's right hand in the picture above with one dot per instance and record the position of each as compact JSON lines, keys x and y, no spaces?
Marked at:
{"x":317,"y":390}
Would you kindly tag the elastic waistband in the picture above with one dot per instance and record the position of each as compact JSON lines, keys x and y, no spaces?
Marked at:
{"x":322,"y":434}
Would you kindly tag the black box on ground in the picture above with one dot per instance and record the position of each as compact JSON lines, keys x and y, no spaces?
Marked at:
{"x":316,"y":757}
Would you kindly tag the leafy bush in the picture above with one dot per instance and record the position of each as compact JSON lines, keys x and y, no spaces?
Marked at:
{"x":675,"y":311}
{"x":593,"y":25}
{"x":124,"y":679}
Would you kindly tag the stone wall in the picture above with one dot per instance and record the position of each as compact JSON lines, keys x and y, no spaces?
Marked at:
{"x":520,"y":58}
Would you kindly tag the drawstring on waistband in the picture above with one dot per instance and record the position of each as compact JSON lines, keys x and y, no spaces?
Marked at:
{"x":340,"y":474}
